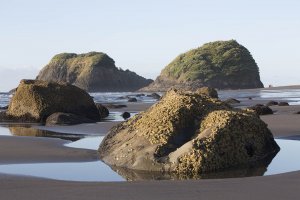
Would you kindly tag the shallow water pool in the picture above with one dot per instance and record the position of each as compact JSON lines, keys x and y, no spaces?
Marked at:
{"x":286,"y":160}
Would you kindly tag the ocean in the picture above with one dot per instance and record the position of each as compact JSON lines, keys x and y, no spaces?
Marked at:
{"x":290,"y":95}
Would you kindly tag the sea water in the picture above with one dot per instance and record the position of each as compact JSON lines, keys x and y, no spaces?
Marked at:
{"x":290,"y":95}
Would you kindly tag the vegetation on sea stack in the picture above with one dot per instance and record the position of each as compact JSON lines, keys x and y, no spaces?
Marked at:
{"x":220,"y":64}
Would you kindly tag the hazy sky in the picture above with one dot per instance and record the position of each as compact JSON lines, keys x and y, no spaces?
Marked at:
{"x":144,"y":36}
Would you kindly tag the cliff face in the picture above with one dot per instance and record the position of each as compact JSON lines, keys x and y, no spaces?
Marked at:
{"x":220,"y":64}
{"x":93,"y":72}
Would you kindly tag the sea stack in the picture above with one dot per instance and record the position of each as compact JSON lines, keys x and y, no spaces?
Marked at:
{"x":220,"y":64}
{"x":93,"y":72}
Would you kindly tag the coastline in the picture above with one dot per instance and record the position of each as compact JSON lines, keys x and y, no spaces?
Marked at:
{"x":283,"y":124}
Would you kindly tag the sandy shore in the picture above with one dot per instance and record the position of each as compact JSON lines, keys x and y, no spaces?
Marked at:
{"x":283,"y":186}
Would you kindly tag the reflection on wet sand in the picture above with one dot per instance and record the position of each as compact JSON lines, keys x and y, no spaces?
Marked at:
{"x":27,"y":130}
{"x":252,"y":170}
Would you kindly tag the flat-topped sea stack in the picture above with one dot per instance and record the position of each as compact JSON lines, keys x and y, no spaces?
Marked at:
{"x":93,"y":72}
{"x":189,"y":133}
{"x":220,"y":64}
{"x":35,"y":100}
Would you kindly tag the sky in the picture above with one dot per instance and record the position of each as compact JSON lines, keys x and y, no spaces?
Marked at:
{"x":144,"y":36}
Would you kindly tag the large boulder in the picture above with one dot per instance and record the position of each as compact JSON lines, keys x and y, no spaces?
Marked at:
{"x":188,"y":133}
{"x":93,"y":72}
{"x":35,"y":100}
{"x":220,"y":64}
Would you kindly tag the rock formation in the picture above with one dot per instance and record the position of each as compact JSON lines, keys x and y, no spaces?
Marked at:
{"x":93,"y":72}
{"x":220,"y":64}
{"x":189,"y":133}
{"x":35,"y":100}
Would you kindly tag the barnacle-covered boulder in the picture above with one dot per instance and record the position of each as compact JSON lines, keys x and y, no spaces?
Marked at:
{"x":35,"y":100}
{"x":188,"y":133}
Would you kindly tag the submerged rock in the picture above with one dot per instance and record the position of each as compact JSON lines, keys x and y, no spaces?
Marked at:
{"x":35,"y":100}
{"x":115,"y":106}
{"x":132,"y":99}
{"x":219,"y":64}
{"x":66,"y":119}
{"x":232,"y":101}
{"x":93,"y":72}
{"x":140,"y":95}
{"x":154,"y":96}
{"x":188,"y":133}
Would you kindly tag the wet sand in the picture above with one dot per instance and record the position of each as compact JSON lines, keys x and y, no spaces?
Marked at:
{"x":283,"y":186}
{"x":15,"y":150}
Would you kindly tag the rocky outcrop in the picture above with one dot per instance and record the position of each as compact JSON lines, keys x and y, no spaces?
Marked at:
{"x":36,"y":100}
{"x":93,"y":72}
{"x":220,"y":64}
{"x":188,"y":133}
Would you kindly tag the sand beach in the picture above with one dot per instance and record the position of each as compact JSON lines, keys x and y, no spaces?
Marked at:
{"x":13,"y":149}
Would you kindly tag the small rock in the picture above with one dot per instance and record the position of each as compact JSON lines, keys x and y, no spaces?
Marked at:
{"x":66,"y":119}
{"x":298,"y":113}
{"x":125,"y":115}
{"x":154,"y":96}
{"x":272,"y":103}
{"x":132,"y":99}
{"x":4,"y":108}
{"x":103,"y":111}
{"x":140,"y":95}
{"x":261,"y":109}
{"x":283,"y":104}
{"x":122,"y":98}
{"x":232,"y":101}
